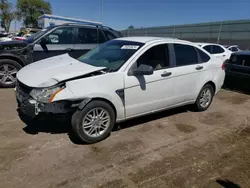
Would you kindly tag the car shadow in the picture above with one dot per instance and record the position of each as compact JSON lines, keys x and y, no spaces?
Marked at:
{"x":150,"y":117}
{"x":227,"y":184}
{"x":63,"y":125}
{"x":237,"y":84}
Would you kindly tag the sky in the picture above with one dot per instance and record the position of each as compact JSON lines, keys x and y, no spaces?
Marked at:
{"x":119,"y":14}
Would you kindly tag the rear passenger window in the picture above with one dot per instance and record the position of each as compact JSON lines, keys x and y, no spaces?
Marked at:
{"x":204,"y":57}
{"x":109,"y":35}
{"x":185,"y":55}
{"x":217,"y":49}
{"x":234,"y":49}
{"x":89,"y":36}
{"x":208,"y":49}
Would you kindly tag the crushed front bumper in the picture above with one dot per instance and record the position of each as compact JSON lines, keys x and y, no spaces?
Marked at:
{"x":30,"y":107}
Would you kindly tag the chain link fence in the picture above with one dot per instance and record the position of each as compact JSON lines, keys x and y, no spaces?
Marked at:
{"x":234,"y":32}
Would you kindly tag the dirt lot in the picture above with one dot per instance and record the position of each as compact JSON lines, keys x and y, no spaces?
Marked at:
{"x":176,"y":148}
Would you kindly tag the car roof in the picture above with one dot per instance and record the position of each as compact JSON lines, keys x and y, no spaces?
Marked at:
{"x":232,"y":46}
{"x":151,"y":39}
{"x":204,"y":44}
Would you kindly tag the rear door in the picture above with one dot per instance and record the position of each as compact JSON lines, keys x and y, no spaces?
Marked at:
{"x":221,"y":52}
{"x":186,"y":72}
{"x":59,"y":41}
{"x":218,"y":51}
{"x":87,"y":39}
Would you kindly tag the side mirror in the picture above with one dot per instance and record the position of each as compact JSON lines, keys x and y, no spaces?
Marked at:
{"x":44,"y":40}
{"x":43,"y":43}
{"x":143,"y":70}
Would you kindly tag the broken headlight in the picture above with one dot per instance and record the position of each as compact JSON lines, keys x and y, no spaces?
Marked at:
{"x":45,"y":95}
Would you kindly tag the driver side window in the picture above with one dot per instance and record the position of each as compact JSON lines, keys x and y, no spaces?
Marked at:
{"x":61,"y":36}
{"x":157,"y":57}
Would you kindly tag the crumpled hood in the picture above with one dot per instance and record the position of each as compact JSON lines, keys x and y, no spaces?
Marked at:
{"x":51,"y":71}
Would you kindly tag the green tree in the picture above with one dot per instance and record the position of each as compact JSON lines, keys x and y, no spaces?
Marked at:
{"x":6,"y":14}
{"x":29,"y":10}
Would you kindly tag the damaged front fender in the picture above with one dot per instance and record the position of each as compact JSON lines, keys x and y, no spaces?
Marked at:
{"x":84,"y":103}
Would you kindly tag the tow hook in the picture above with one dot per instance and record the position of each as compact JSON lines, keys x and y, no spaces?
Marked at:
{"x":37,"y":109}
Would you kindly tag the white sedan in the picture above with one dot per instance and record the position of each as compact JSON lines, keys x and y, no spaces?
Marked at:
{"x":122,"y":79}
{"x":233,"y":48}
{"x":217,"y":50}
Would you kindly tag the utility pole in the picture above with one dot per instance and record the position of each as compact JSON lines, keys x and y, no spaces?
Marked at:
{"x":218,"y":40}
{"x":102,"y":11}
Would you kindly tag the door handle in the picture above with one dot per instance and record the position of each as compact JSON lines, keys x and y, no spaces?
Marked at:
{"x":223,"y":55}
{"x":165,"y":74}
{"x":199,"y":67}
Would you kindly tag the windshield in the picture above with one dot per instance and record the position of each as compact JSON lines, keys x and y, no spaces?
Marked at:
{"x":38,"y":34}
{"x":112,"y":54}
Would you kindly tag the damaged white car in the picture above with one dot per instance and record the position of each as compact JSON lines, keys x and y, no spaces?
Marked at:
{"x":121,"y":79}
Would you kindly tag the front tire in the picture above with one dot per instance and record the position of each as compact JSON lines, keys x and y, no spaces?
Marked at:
{"x":94,"y":122}
{"x":8,"y":71}
{"x":204,"y":98}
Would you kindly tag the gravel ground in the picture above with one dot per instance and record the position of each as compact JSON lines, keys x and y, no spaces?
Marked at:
{"x":175,"y":148}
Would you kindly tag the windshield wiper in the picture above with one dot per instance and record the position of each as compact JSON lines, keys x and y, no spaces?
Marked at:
{"x":109,"y":69}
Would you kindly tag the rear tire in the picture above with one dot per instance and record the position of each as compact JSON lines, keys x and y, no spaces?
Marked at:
{"x":8,"y":71}
{"x":204,"y":98}
{"x":94,"y":122}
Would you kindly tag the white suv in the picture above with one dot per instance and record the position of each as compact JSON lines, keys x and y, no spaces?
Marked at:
{"x":121,"y":79}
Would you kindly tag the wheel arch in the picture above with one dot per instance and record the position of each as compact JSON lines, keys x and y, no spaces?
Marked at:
{"x":88,"y":100}
{"x":212,"y":84}
{"x":14,"y":58}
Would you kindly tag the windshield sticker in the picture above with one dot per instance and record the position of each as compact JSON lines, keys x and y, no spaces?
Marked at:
{"x":130,"y":47}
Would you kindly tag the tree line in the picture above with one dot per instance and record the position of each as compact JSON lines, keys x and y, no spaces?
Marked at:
{"x":26,"y":11}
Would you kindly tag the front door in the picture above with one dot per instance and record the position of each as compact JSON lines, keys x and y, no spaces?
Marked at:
{"x":58,"y":42}
{"x":148,"y":93}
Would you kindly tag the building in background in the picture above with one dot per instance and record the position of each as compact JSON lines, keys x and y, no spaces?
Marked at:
{"x":223,"y":32}
{"x":46,"y":20}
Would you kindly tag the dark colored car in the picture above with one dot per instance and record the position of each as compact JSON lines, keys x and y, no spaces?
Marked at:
{"x":238,"y":64}
{"x":74,"y":39}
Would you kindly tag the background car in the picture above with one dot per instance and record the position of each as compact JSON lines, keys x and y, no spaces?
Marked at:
{"x":233,"y":48}
{"x":74,"y":39}
{"x":239,"y":64}
{"x":217,"y":50}
{"x":119,"y":80}
{"x":25,"y":33}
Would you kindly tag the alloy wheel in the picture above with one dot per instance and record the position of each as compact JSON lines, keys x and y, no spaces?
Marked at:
{"x":205,"y":97}
{"x":96,"y":122}
{"x":7,"y":74}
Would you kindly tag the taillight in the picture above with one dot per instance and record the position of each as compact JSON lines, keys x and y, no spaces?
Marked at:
{"x":223,"y":66}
